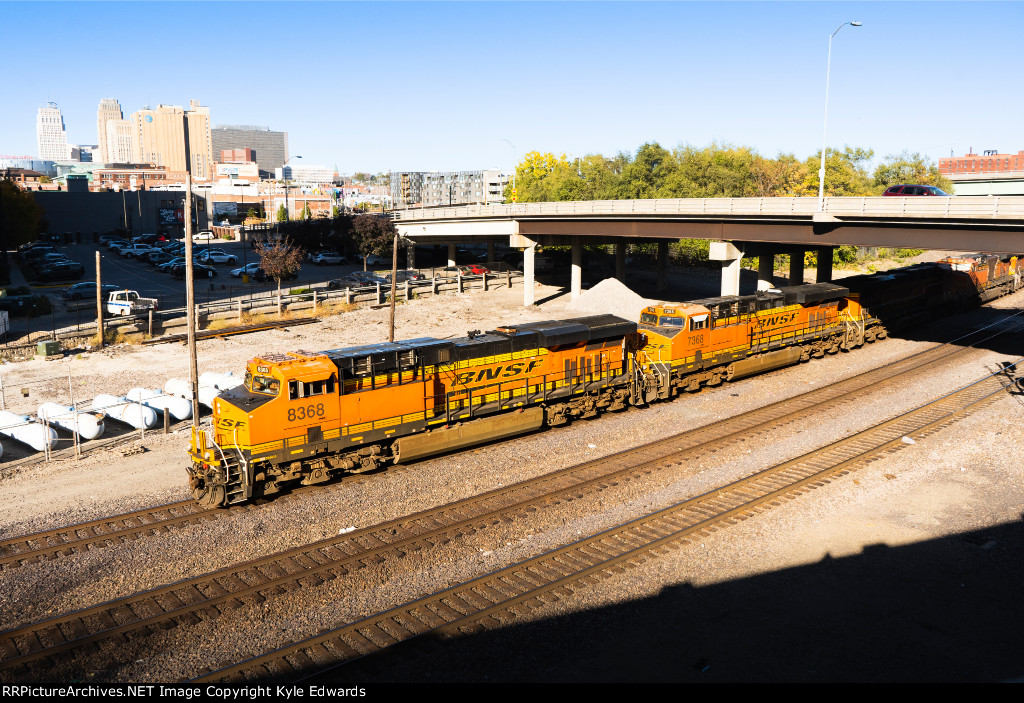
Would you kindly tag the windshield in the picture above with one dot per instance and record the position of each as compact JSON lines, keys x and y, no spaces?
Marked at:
{"x":262,"y":384}
{"x":672,"y":321}
{"x":648,"y":319}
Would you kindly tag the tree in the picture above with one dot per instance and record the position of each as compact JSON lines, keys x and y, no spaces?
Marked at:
{"x":279,"y":260}
{"x":646,"y":175}
{"x":373,"y":234}
{"x":306,"y":214}
{"x":22,"y":215}
{"x":909,"y":168}
{"x":845,"y":173}
{"x":282,"y":213}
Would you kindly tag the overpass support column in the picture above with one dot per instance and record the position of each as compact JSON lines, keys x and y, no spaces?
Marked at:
{"x":620,"y":261}
{"x":796,"y":268}
{"x":824,"y":273}
{"x":731,"y":258}
{"x":662,"y":266}
{"x":576,"y":282}
{"x":451,"y":253}
{"x":765,"y":271}
{"x":529,"y":280}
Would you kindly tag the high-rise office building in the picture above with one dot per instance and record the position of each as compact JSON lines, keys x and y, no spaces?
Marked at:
{"x":118,"y":147}
{"x":50,"y":134}
{"x":109,"y":111}
{"x":271,"y":148}
{"x":159,"y":138}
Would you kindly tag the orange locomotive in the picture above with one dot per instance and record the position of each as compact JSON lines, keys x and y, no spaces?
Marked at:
{"x":303,"y":415}
{"x":703,"y":342}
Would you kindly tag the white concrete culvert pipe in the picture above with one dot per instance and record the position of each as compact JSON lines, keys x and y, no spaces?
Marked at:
{"x":87,"y":425}
{"x":178,"y":407}
{"x":26,"y":430}
{"x":222,"y":381}
{"x":120,"y":408}
{"x":207,"y":391}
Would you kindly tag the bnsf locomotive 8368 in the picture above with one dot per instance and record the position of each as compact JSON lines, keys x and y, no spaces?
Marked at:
{"x":304,"y":417}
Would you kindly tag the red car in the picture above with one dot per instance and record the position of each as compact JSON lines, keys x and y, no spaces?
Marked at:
{"x":474,"y":269}
{"x":905,"y":190}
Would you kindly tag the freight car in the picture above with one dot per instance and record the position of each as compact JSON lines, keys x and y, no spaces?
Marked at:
{"x":304,"y":417}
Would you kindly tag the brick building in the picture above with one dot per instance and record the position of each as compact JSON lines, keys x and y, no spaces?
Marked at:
{"x":985,"y":162}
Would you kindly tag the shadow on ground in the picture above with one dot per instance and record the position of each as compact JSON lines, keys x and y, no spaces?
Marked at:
{"x":942,"y":610}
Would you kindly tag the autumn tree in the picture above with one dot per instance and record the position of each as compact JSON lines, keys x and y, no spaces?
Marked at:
{"x":909,"y":168}
{"x":845,"y":173}
{"x":373,"y":234}
{"x":279,"y":259}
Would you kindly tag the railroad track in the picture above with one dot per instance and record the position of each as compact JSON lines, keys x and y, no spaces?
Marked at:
{"x":256,"y":580}
{"x":104,"y":531}
{"x":502,"y":597}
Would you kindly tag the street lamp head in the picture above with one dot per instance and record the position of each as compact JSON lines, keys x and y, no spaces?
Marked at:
{"x":856,"y":24}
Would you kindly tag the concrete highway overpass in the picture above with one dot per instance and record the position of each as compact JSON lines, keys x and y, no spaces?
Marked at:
{"x":759,"y":227}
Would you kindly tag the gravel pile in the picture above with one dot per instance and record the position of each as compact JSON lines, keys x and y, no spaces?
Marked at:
{"x":657,"y":621}
{"x":610,"y":296}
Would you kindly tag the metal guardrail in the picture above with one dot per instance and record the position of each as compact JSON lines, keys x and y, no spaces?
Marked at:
{"x":966,"y":207}
{"x":318,"y":293}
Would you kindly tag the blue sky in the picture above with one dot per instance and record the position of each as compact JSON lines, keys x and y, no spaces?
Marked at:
{"x":437,"y":86}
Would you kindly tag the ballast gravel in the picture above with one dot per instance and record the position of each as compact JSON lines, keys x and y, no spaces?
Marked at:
{"x":750,"y":602}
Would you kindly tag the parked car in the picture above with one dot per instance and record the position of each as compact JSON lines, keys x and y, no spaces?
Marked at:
{"x":324,"y":258}
{"x":87,"y":290}
{"x":367,"y":278}
{"x":37,"y":253}
{"x":137,"y":251}
{"x":111,"y":243}
{"x":248,"y":270}
{"x":344,"y":282}
{"x":166,"y":266}
{"x":403,"y":276}
{"x":374,"y":260}
{"x":61,"y":271}
{"x":204,"y":236}
{"x":904,"y":190}
{"x":198,"y":270}
{"x":155,"y":258}
{"x":474,"y":270}
{"x":217,"y":256}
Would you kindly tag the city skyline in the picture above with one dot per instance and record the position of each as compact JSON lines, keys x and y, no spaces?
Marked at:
{"x":442,"y":86}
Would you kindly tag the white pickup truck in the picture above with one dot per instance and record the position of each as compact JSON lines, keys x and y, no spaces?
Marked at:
{"x":128,"y":302}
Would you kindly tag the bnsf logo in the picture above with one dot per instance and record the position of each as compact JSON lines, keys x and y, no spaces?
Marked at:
{"x":516,"y":369}
{"x":777,"y":320}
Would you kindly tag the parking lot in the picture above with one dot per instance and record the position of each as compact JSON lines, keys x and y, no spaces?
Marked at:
{"x":218,"y":286}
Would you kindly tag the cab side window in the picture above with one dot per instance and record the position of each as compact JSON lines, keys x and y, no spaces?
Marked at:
{"x":303,"y":389}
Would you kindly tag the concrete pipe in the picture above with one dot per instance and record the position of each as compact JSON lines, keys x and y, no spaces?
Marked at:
{"x":86,"y":425}
{"x":223,"y":381}
{"x":26,"y":430}
{"x":178,"y":407}
{"x":120,"y":408}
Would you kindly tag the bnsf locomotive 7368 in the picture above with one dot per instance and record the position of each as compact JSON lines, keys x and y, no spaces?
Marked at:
{"x":304,"y":417}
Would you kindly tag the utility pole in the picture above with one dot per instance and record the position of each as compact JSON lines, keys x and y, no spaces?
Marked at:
{"x":99,"y":301}
{"x":394,"y":283}
{"x":190,"y":294}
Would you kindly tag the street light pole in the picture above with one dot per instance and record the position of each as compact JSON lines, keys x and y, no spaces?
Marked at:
{"x":824,"y":131}
{"x":286,"y":213}
{"x":514,"y":163}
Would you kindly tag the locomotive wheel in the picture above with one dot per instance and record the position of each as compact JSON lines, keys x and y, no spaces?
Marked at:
{"x":210,"y":497}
